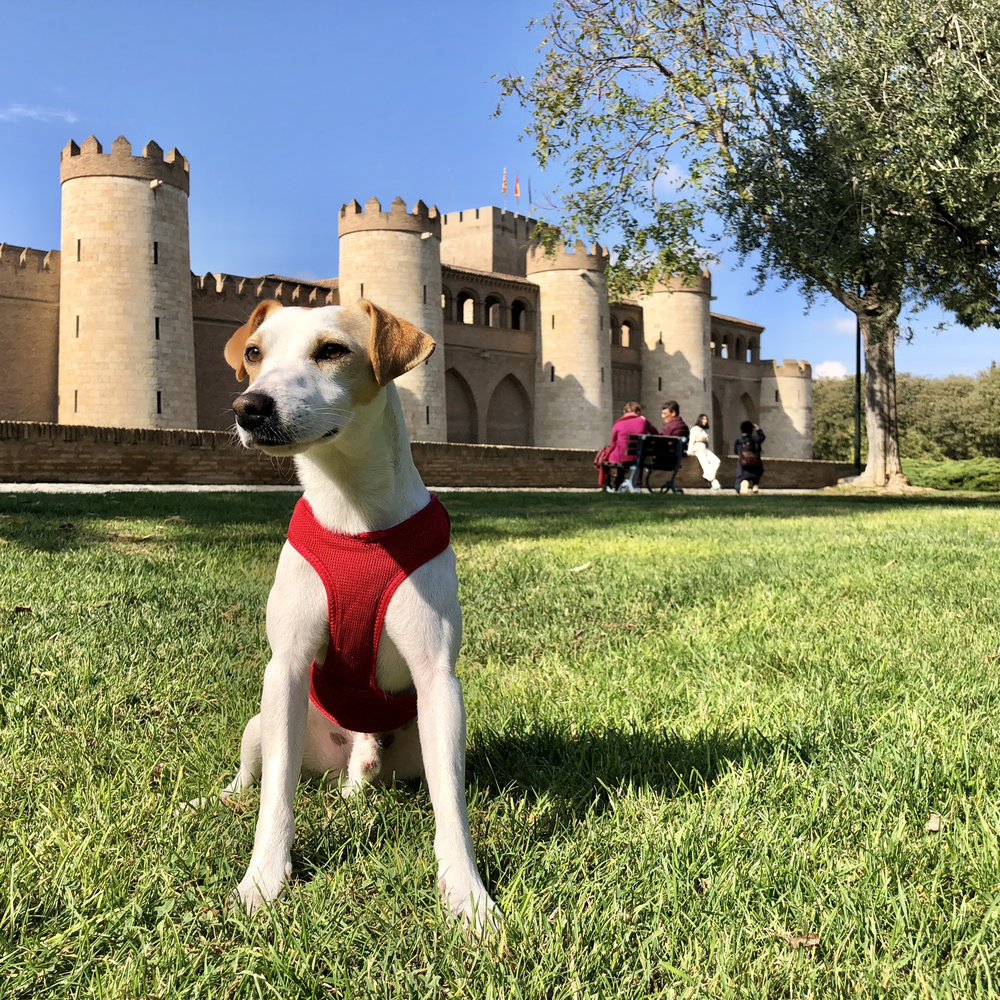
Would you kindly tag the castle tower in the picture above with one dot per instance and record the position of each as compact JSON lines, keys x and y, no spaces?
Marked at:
{"x":394,"y":259}
{"x":786,"y":409}
{"x":677,"y":355}
{"x":125,"y":297}
{"x":573,"y":377}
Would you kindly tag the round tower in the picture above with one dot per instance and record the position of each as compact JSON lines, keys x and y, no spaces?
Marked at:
{"x":126,"y":336}
{"x":786,"y":408}
{"x":677,"y":352}
{"x":573,"y":376}
{"x":394,"y":259}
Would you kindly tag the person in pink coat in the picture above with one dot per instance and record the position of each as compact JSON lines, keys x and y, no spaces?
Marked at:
{"x":630,"y":422}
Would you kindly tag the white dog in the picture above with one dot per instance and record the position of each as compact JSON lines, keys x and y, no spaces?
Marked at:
{"x":321,"y":390}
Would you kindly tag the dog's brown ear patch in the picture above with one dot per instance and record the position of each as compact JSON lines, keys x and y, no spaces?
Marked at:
{"x":395,"y":345}
{"x":237,"y":342}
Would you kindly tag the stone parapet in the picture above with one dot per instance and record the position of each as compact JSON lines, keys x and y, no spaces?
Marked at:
{"x":701,"y":285}
{"x":90,"y":160}
{"x":790,"y":368}
{"x":420,"y":219}
{"x":578,"y":257}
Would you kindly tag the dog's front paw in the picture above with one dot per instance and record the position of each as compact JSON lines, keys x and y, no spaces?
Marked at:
{"x":261,"y":884}
{"x":471,"y":903}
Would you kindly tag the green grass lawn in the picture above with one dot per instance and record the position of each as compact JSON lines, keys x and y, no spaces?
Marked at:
{"x":707,"y":736}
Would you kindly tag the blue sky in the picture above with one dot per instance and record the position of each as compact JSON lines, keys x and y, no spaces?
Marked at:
{"x":285,"y":111}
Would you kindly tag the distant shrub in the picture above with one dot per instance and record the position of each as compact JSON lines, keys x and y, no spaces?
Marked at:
{"x":980,"y":475}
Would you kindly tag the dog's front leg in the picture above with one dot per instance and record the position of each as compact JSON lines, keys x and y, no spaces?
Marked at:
{"x":296,"y":629}
{"x":425,"y":624}
{"x":283,"y":708}
{"x":441,"y":722}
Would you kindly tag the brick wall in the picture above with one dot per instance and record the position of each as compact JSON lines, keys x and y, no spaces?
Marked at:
{"x":59,"y":453}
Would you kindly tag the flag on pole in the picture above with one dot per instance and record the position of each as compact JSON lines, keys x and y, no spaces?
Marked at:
{"x":503,"y":185}
{"x":517,"y":187}
{"x":530,"y":202}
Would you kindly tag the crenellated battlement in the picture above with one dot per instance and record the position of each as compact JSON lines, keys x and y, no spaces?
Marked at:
{"x":579,"y":257}
{"x":253,"y":290}
{"x":29,"y":274}
{"x":90,"y":160}
{"x":790,"y":368}
{"x":28,"y":259}
{"x":700,"y":285}
{"x":420,"y":219}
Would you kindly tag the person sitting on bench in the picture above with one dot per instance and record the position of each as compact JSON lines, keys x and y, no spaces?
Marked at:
{"x":672,"y":422}
{"x":630,"y":422}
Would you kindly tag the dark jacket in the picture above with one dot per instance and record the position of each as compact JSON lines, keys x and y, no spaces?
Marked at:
{"x":756,"y":438}
{"x":675,"y":427}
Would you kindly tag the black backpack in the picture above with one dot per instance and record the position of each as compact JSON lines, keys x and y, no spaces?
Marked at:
{"x":750,"y":454}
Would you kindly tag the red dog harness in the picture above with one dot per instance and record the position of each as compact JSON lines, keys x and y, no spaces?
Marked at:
{"x":360,"y":574}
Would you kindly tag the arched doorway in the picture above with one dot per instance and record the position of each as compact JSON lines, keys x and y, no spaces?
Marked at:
{"x":508,"y":417}
{"x":462,"y":417}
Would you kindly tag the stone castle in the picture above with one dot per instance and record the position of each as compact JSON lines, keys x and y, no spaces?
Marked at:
{"x":114,"y":330}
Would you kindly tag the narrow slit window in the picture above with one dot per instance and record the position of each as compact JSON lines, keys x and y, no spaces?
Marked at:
{"x":78,"y":242}
{"x":156,"y":327}
{"x":156,"y":252}
{"x":76,"y":400}
{"x":427,"y":414}
{"x":159,"y":401}
{"x":78,"y":326}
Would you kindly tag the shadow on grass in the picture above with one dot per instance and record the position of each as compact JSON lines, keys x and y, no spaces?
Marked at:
{"x":59,"y":523}
{"x":584,"y":771}
{"x":67,"y":522}
{"x":571,"y":777}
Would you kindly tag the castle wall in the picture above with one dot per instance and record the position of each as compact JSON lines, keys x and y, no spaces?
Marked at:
{"x":55,"y":453}
{"x":735,"y":398}
{"x":490,"y":365}
{"x":29,"y":333}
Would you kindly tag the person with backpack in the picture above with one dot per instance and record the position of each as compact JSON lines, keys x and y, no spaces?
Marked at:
{"x":749,"y":467}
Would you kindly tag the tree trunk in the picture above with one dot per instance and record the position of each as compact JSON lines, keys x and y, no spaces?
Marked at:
{"x":879,"y":334}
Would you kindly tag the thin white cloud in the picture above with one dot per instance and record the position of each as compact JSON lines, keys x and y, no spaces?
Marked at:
{"x":668,"y":181}
{"x":25,"y":112}
{"x":829,"y":369}
{"x":841,"y":326}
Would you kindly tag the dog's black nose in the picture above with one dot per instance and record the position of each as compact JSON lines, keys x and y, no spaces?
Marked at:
{"x":252,"y":409}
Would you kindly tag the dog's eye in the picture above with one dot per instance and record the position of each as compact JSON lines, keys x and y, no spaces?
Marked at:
{"x":252,"y":354}
{"x":330,"y":351}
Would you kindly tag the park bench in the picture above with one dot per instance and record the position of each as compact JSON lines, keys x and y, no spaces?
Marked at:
{"x":658,"y":457}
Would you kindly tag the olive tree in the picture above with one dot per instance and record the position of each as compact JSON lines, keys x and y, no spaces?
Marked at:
{"x":848,"y":147}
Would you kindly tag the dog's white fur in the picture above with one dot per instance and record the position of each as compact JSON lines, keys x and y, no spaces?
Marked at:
{"x":327,"y":375}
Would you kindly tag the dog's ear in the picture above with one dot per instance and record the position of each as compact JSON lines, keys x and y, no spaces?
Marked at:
{"x":395,"y":345}
{"x":237,"y":342}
